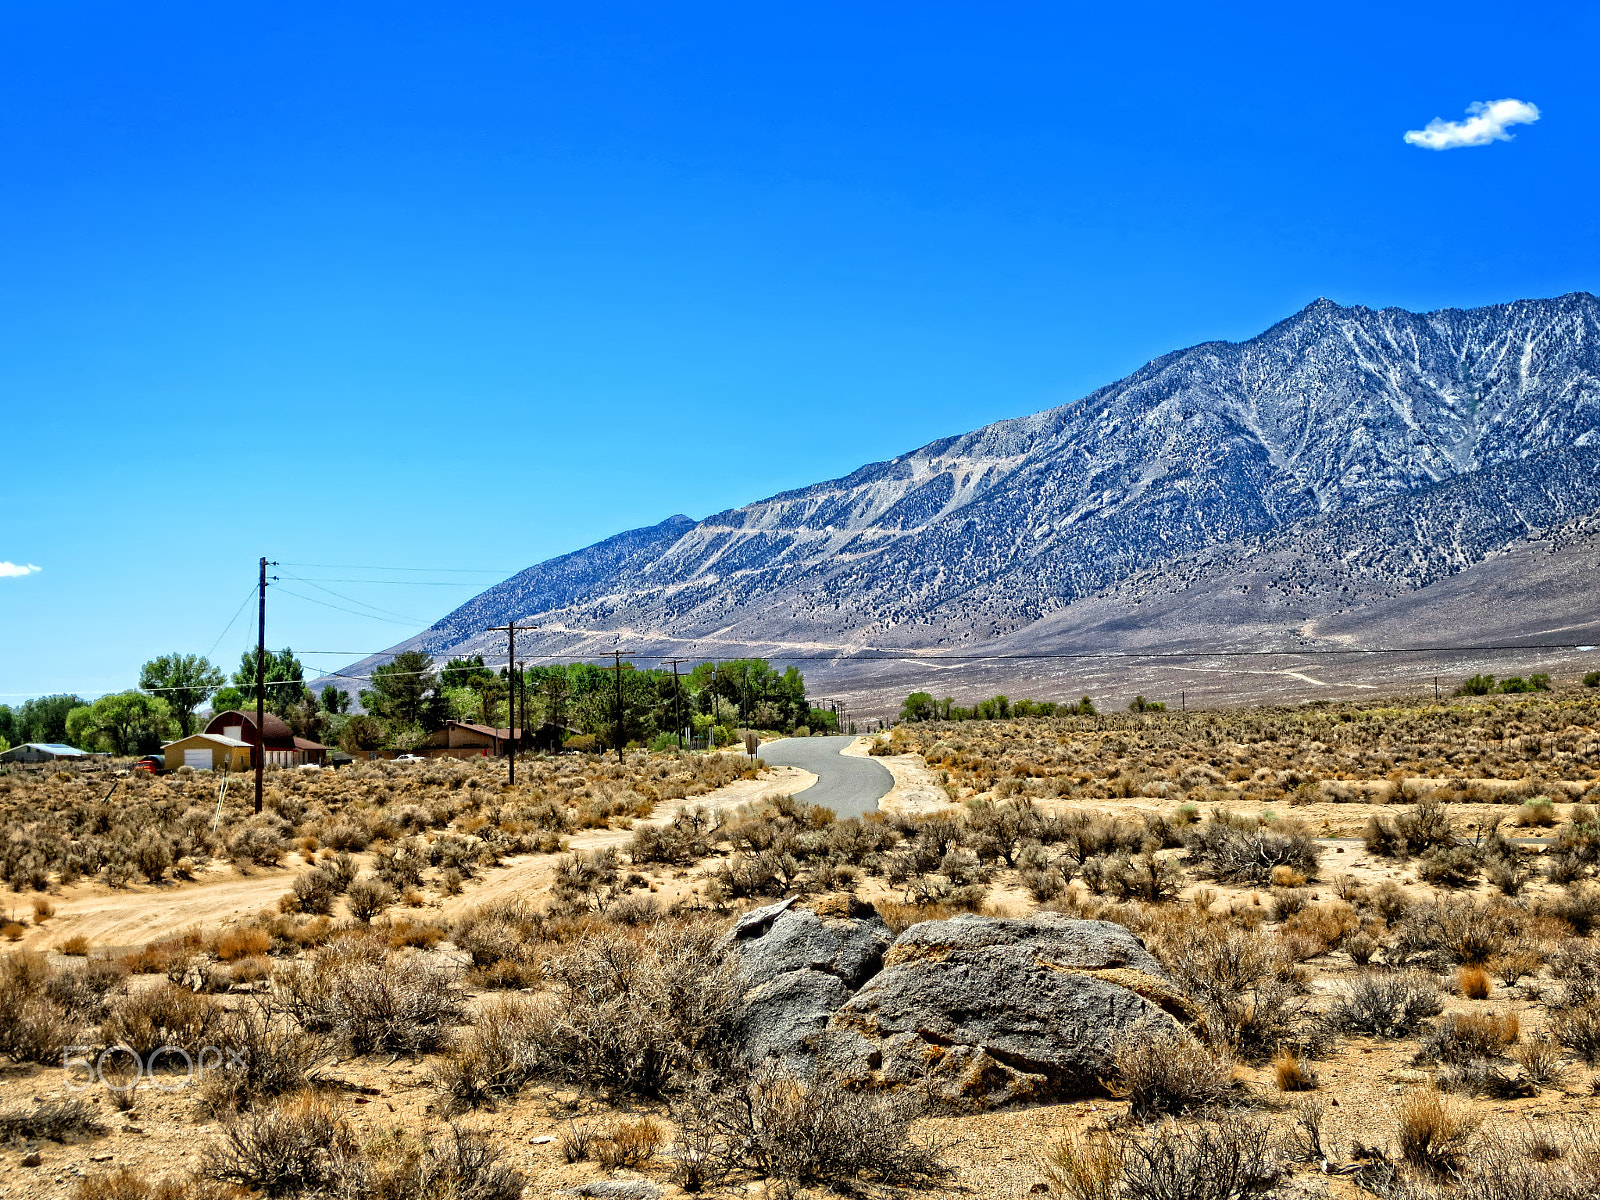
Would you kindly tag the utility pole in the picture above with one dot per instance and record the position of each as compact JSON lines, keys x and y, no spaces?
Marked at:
{"x":617,"y":656}
{"x":1435,"y":689}
{"x":677,"y":702}
{"x":261,"y":683}
{"x":510,"y":630}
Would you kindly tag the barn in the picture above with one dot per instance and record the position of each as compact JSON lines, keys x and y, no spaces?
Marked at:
{"x":208,"y":752}
{"x":282,"y":748}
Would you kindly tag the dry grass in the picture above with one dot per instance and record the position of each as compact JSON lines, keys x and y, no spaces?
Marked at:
{"x":1433,"y":1133}
{"x":1293,"y":1073}
{"x":1473,"y":983}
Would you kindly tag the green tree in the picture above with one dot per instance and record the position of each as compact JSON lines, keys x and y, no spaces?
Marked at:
{"x":405,"y":691}
{"x":129,"y":722}
{"x":285,"y":676}
{"x":184,"y":681}
{"x":44,"y":718}
{"x":227,"y":698}
{"x":1478,"y":685}
{"x":335,"y":701}
{"x":919,"y":706}
{"x":362,"y":733}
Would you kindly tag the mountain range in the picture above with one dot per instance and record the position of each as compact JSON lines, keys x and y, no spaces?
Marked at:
{"x":1349,"y":480}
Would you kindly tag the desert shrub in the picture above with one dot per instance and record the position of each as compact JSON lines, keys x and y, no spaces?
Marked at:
{"x":1163,"y":1073}
{"x":1536,"y":812}
{"x":370,"y":998}
{"x":495,"y":1058}
{"x":458,"y":1165}
{"x":1543,"y":1061}
{"x":1241,"y":850}
{"x":265,"y":1056}
{"x":1247,"y":987}
{"x":1386,"y":1004}
{"x":806,"y":1132}
{"x":1449,"y":866}
{"x":367,"y":897}
{"x":256,"y":844}
{"x":1360,"y":946}
{"x":314,"y":891}
{"x":1433,"y":1133}
{"x":1578,"y":1030}
{"x":1228,"y":1160}
{"x":54,"y":1120}
{"x":1084,"y":1166}
{"x":506,"y":946}
{"x":1578,"y":906}
{"x":1465,"y":931}
{"x":292,"y":1147}
{"x":630,"y":1010}
{"x":1462,"y":1037}
{"x":163,"y":1015}
{"x":629,"y":1143}
{"x":81,"y":992}
{"x":684,"y":841}
{"x":75,"y":947}
{"x":1413,"y":832}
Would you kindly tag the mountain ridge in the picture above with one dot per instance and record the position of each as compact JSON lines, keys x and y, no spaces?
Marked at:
{"x":976,"y":538}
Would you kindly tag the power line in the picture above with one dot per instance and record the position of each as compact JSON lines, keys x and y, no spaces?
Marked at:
{"x":350,"y":599}
{"x":408,"y":623}
{"x":418,"y":570}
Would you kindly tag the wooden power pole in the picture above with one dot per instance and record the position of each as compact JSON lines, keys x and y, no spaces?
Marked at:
{"x":510,"y":629}
{"x":677,"y":702}
{"x":261,"y":683}
{"x":617,"y":655}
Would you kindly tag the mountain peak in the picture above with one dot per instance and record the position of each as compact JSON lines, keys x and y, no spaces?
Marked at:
{"x":993,"y":532}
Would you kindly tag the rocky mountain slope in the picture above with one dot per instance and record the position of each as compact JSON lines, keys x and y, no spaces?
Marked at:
{"x":1344,"y":460}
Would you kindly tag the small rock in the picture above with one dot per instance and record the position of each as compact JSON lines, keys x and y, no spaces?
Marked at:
{"x":99,"y":1158}
{"x":31,"y":1159}
{"x":542,"y":1141}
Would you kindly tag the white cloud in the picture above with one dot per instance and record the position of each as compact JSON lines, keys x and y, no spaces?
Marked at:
{"x":1486,"y":122}
{"x":7,"y":569}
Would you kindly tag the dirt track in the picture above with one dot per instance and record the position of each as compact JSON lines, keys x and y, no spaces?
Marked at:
{"x":127,"y":918}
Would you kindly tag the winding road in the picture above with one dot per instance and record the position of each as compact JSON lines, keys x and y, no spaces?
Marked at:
{"x":850,"y":786}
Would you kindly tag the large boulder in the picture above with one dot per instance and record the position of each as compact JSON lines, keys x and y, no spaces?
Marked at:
{"x":989,"y":1011}
{"x":800,"y":964}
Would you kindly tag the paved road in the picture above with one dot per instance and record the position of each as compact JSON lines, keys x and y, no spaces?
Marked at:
{"x":850,"y":786}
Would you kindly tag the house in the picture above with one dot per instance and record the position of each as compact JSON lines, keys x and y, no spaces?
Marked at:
{"x":208,"y":752}
{"x":458,"y":739}
{"x":281,"y":746}
{"x":38,"y":752}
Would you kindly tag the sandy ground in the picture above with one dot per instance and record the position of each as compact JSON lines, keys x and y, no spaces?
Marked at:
{"x":123,"y":919}
{"x":916,"y":790}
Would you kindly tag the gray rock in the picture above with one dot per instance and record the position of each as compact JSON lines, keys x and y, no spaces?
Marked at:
{"x":782,"y":1017}
{"x":800,"y":965}
{"x":997,"y":1010}
{"x":617,"y":1189}
{"x":800,"y":939}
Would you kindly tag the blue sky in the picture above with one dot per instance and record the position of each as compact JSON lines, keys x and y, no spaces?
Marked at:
{"x":467,"y":286}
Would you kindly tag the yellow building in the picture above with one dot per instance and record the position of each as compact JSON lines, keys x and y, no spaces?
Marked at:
{"x":208,"y":752}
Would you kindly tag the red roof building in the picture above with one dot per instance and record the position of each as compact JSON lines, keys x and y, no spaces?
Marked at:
{"x":280,"y":745}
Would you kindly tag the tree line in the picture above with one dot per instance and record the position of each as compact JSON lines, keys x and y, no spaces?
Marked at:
{"x":585,"y":705}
